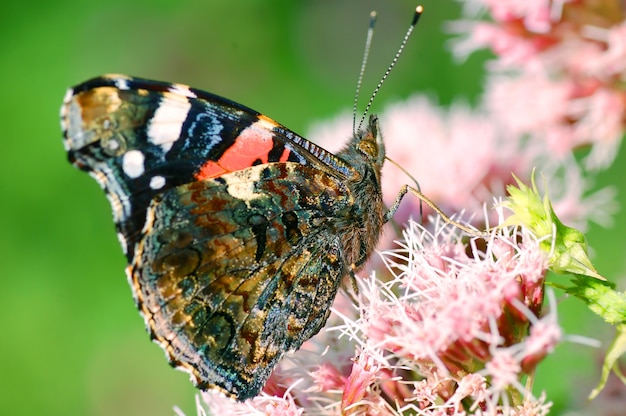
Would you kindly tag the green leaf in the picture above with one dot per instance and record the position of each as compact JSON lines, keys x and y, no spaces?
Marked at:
{"x":609,"y":304}
{"x":601,"y":298}
{"x":616,"y":349}
{"x":565,"y":246}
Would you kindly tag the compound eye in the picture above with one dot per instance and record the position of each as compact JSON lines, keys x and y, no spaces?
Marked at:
{"x":368,"y":148}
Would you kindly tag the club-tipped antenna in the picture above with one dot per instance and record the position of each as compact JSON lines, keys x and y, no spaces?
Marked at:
{"x":368,"y":43}
{"x":418,"y":12}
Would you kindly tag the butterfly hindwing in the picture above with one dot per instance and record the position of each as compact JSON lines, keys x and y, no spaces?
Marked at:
{"x":242,"y":268}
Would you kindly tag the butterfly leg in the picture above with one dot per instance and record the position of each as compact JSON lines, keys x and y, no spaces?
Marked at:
{"x":406,"y":188}
{"x":396,"y":204}
{"x":355,"y":285}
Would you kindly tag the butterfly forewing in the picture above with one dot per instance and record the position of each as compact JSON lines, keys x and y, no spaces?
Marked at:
{"x":139,"y":138}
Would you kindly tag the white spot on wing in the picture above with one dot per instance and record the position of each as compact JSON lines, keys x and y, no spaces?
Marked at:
{"x":122,"y":84}
{"x":157,"y":182}
{"x":265,"y":123}
{"x":241,"y":183}
{"x":133,"y":163}
{"x":165,"y":126}
{"x":182,"y":90}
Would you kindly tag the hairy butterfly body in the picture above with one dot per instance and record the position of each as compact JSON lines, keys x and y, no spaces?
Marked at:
{"x":237,"y":231}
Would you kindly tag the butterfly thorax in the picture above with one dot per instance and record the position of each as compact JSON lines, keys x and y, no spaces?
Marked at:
{"x":360,"y":230}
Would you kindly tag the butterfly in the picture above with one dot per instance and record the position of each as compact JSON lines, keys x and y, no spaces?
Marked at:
{"x":237,"y":231}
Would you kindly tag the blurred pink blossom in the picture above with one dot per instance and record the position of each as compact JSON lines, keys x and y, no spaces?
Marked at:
{"x":463,"y":158}
{"x":456,"y":155}
{"x":565,"y":67}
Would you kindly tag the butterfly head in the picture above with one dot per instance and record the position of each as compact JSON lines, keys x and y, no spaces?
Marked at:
{"x":371,"y":143}
{"x":366,"y":150}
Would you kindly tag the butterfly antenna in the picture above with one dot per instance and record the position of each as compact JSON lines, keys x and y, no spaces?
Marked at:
{"x":416,"y":16}
{"x":368,"y":43}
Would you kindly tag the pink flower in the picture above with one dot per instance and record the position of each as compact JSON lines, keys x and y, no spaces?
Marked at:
{"x":328,"y":377}
{"x":363,"y":374}
{"x":574,"y":52}
{"x":543,"y":337}
{"x":535,"y":407}
{"x":282,"y":407}
{"x":508,"y":102}
{"x":608,"y":63}
{"x":218,"y":404}
{"x":504,"y":369}
{"x":445,"y":334}
{"x":601,"y":119}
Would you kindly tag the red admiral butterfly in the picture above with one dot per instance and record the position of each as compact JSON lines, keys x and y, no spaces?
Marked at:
{"x":237,"y":231}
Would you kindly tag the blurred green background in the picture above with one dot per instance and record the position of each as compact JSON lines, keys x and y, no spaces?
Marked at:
{"x":72,"y":342}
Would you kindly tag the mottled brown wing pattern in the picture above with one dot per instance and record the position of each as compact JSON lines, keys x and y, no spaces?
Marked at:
{"x":234,"y":272}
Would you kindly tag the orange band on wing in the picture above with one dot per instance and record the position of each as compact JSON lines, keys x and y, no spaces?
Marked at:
{"x":250,"y":148}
